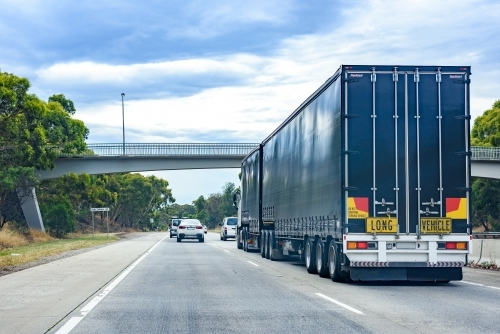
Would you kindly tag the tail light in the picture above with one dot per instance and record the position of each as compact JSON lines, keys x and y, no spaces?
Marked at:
{"x":181,"y":227}
{"x":452,"y":245}
{"x":225,"y":228}
{"x":361,"y":245}
{"x":170,"y":225}
{"x":199,"y":227}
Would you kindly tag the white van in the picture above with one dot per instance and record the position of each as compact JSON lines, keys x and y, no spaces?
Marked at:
{"x":173,"y":227}
{"x":228,"y":228}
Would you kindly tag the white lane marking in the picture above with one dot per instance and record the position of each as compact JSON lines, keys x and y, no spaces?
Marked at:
{"x":352,"y":309}
{"x":255,"y":264}
{"x":479,"y":284}
{"x":225,"y":250}
{"x":71,"y":323}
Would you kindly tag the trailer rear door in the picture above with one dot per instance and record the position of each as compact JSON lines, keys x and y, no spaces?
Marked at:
{"x":406,"y":147}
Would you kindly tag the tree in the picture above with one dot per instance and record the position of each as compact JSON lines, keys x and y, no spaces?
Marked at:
{"x":485,"y":203}
{"x":32,"y":134}
{"x":67,"y":104}
{"x":226,"y":206}
{"x":59,"y":217}
{"x":486,"y":192}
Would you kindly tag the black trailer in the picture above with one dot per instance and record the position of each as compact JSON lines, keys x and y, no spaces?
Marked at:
{"x":369,"y":178}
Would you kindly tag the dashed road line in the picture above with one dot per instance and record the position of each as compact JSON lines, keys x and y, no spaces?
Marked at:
{"x":352,"y":309}
{"x":255,"y":264}
{"x":73,"y":321}
{"x":225,"y":250}
{"x":479,"y":284}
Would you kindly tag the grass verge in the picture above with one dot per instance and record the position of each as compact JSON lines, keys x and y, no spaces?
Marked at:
{"x":46,"y":246}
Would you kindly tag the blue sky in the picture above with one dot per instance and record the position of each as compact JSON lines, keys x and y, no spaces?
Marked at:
{"x":229,"y":71}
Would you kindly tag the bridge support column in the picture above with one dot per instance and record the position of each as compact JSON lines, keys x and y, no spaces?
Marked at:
{"x":31,"y":210}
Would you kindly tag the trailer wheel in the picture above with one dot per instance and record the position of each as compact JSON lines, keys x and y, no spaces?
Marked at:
{"x":270,"y":245}
{"x":334,"y":262}
{"x":321,"y":259}
{"x":262,"y":244}
{"x":267,"y":244}
{"x":238,"y":240}
{"x":245,"y":240}
{"x":309,"y":256}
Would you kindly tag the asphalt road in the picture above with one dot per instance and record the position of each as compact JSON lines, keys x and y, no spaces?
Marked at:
{"x":212,"y":287}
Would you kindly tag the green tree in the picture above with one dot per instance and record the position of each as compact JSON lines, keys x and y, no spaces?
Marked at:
{"x":32,"y":134}
{"x":67,"y":104}
{"x":486,"y":192}
{"x":486,"y":203}
{"x":486,"y":129}
{"x":59,"y":217}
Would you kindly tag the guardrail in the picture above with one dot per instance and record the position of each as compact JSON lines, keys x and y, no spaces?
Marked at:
{"x":486,"y":235}
{"x":485,"y":153}
{"x":165,"y":149}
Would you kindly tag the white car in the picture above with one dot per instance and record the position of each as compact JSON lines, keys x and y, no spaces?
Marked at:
{"x":205,"y":229}
{"x":228,"y":228}
{"x":190,"y":229}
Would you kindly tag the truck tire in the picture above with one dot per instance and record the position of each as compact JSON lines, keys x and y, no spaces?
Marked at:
{"x":334,"y":262}
{"x":271,"y":238}
{"x":238,"y":240}
{"x":267,"y":243}
{"x":309,"y":256}
{"x":171,"y":236}
{"x":245,"y":240}
{"x":262,"y":244}
{"x":321,"y":259}
{"x":224,"y":238}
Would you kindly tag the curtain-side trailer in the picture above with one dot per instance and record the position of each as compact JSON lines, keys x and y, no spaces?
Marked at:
{"x":368,"y":179}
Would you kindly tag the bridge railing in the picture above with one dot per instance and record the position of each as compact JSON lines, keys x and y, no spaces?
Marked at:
{"x":485,"y":153}
{"x":164,"y":149}
{"x":212,"y":149}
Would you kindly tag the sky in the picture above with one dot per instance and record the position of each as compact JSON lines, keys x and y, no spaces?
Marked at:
{"x":196,"y":71}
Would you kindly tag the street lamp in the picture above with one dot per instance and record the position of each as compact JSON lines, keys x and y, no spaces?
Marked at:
{"x":123,"y":120}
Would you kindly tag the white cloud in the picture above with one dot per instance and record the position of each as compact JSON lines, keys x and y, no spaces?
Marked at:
{"x":268,"y":88}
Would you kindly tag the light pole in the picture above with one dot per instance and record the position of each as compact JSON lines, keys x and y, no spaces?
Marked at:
{"x":123,"y":120}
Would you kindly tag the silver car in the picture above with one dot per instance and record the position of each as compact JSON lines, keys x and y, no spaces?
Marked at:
{"x":173,"y":227}
{"x":190,"y":229}
{"x":228,"y":228}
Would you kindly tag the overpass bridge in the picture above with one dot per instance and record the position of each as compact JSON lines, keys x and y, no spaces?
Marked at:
{"x":116,"y":158}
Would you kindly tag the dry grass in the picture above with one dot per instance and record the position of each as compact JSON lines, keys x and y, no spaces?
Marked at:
{"x":39,"y":236}
{"x":44,"y":245}
{"x":10,"y":238}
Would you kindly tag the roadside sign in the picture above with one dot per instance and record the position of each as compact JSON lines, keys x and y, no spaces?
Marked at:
{"x":151,"y":220}
{"x":99,"y":209}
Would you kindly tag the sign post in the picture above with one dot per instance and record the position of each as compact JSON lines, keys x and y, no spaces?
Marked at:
{"x":151,"y":220}
{"x":107,"y":219}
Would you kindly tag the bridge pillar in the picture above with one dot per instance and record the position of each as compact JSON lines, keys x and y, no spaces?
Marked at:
{"x":31,"y":210}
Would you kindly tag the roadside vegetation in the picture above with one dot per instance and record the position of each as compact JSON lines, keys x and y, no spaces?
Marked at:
{"x":18,"y":249}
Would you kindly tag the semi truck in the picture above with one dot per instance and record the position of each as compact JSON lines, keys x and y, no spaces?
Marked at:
{"x":368,"y":179}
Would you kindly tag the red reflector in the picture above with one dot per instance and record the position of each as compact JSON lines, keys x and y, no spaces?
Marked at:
{"x":362,"y":245}
{"x":451,"y":245}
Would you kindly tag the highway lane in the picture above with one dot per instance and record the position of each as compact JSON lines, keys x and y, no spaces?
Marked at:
{"x":212,"y":287}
